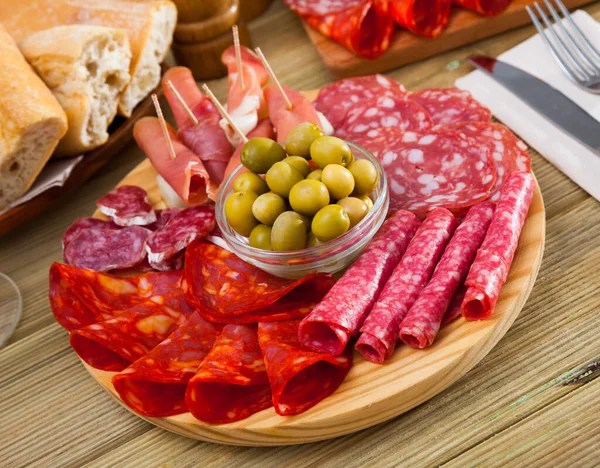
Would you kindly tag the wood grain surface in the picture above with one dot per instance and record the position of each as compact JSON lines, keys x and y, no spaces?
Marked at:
{"x":532,"y":401}
{"x":464,"y":27}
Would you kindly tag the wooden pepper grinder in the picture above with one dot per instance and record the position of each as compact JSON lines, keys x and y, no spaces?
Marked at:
{"x":203,"y":32}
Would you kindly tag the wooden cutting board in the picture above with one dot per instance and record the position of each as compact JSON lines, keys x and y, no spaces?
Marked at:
{"x":465,"y":27}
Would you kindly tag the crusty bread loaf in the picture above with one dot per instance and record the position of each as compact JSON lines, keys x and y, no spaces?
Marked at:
{"x":86,"y":67}
{"x":149,"y":25}
{"x":31,"y":122}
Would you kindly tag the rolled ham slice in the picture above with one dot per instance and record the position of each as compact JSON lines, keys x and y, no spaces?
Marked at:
{"x":284,"y":119}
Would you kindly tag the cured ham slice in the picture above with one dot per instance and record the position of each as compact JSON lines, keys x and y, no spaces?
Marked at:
{"x":284,"y":119}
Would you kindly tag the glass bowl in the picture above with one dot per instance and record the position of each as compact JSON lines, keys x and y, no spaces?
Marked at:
{"x":331,"y":257}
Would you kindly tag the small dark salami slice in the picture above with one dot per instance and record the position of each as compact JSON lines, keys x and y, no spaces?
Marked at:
{"x":332,"y":323}
{"x":422,"y":322}
{"x":426,"y":18}
{"x":155,"y":384}
{"x":450,"y":105}
{"x":299,"y":378}
{"x":231,"y":383}
{"x":83,"y":224}
{"x":192,"y":223}
{"x":166,"y":215}
{"x":439,"y":168}
{"x":383,"y":112}
{"x":379,"y":333}
{"x":335,"y":100}
{"x":127,"y":206}
{"x":108,"y":249}
{"x":508,"y":152}
{"x":484,"y":7}
{"x":492,"y":264}
{"x":223,"y":285}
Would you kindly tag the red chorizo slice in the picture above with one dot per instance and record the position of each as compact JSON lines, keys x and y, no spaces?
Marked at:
{"x":231,"y":383}
{"x":127,"y":205}
{"x":299,"y":377}
{"x":451,"y":105}
{"x":427,"y":18}
{"x":155,"y":384}
{"x":379,"y":333}
{"x":484,"y":7}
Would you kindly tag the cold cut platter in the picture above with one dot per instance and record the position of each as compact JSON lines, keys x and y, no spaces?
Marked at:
{"x":360,"y":276}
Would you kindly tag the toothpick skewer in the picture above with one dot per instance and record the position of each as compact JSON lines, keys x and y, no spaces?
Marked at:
{"x":163,"y":125}
{"x":224,"y":113}
{"x":186,"y":108}
{"x":238,"y":54}
{"x":288,"y":103}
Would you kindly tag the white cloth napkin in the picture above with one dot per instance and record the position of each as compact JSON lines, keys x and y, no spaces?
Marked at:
{"x":532,"y":56}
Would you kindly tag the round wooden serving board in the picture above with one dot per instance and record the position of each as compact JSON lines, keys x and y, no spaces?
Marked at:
{"x":372,"y":393}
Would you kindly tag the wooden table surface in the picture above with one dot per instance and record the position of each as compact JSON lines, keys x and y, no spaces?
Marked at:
{"x":535,"y":399}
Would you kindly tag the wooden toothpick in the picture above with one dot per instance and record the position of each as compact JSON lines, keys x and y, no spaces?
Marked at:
{"x":186,"y":108}
{"x":163,"y":125}
{"x":238,"y":54}
{"x":224,"y":113}
{"x":288,"y":103}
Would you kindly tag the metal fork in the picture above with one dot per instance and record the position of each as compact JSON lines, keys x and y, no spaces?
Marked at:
{"x":573,"y":51}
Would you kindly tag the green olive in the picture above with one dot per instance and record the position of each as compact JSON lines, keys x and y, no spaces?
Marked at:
{"x":309,"y":196}
{"x":330,"y":150}
{"x":339,"y":181}
{"x":300,"y":138}
{"x":365,"y":176}
{"x":238,"y":211}
{"x":260,"y":237}
{"x":367,"y":200}
{"x":289,"y":232}
{"x":259,"y":154}
{"x":330,"y":222}
{"x":250,"y":182}
{"x":267,"y":207}
{"x":312,"y":241}
{"x":356,"y":209}
{"x":316,"y":174}
{"x":299,"y":163}
{"x":282,"y":177}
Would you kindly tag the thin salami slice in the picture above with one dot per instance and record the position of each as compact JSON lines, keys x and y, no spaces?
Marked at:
{"x":83,"y":224}
{"x":108,"y":249}
{"x":508,"y":152}
{"x":231,"y":383}
{"x":439,"y":168}
{"x":492,"y":264}
{"x":299,"y":378}
{"x":454,"y":308}
{"x":427,"y":18}
{"x":164,"y":216}
{"x":423,"y":321}
{"x":450,"y":105}
{"x":127,"y":206}
{"x":155,"y":384}
{"x":223,"y":285}
{"x":115,"y":343}
{"x":189,"y":224}
{"x":332,"y":323}
{"x":335,"y":100}
{"x":379,"y":333}
{"x":484,"y":7}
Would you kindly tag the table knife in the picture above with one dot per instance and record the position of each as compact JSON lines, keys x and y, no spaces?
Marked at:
{"x":545,"y":99}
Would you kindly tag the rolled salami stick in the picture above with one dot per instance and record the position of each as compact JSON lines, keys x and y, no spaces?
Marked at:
{"x":379,"y":333}
{"x":422,"y":323}
{"x":339,"y":316}
{"x":490,"y":268}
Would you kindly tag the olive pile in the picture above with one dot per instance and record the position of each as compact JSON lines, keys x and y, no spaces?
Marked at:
{"x":310,"y":197}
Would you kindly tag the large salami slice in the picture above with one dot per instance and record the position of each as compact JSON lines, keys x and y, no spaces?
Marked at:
{"x":450,"y":105}
{"x":127,"y":206}
{"x":231,"y":383}
{"x":332,"y":323}
{"x":508,"y":152}
{"x":422,"y":322}
{"x":427,"y":18}
{"x":189,"y":224}
{"x":492,"y":264}
{"x":299,"y":378}
{"x":454,"y":309}
{"x":379,"y":333}
{"x":365,"y":27}
{"x":335,"y":100}
{"x":223,"y":285}
{"x":484,"y":7}
{"x":155,"y":384}
{"x":83,"y":224}
{"x":108,"y":249}
{"x":438,"y":168}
